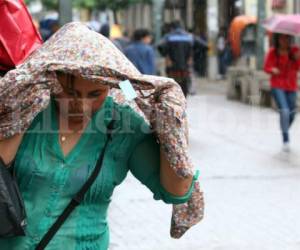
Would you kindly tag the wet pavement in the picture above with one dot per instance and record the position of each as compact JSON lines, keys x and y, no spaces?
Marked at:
{"x":251,"y":187}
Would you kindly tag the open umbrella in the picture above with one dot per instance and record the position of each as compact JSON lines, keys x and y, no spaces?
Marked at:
{"x":285,"y":24}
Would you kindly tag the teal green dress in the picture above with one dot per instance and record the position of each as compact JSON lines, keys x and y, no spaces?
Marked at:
{"x":48,"y":179}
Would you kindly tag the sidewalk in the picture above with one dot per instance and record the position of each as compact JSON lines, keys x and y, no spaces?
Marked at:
{"x":252,"y":189}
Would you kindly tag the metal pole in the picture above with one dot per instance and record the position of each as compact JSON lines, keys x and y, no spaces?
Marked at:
{"x":260,"y":42}
{"x":65,"y":11}
{"x":158,"y":6}
{"x":243,"y":7}
{"x":296,"y":7}
{"x":190,"y":14}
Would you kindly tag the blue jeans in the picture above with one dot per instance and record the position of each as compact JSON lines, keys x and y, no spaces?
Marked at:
{"x":286,"y":103}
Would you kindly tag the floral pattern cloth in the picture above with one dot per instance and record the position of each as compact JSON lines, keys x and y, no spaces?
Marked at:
{"x":75,"y":49}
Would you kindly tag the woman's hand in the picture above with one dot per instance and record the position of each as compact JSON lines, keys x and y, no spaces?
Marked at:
{"x":275,"y":71}
{"x":170,"y":181}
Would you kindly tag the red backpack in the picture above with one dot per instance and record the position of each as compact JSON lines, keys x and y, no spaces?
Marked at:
{"x":18,"y":35}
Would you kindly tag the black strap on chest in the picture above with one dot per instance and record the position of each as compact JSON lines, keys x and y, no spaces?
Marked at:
{"x":78,"y":198}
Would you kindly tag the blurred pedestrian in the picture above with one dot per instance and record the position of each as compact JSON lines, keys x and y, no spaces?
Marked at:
{"x":48,"y":27}
{"x":177,"y":47}
{"x":223,"y":48}
{"x":166,"y":28}
{"x":94,"y":25}
{"x":115,"y":36}
{"x":141,"y":53}
{"x":283,"y":64}
{"x":123,"y":41}
{"x":105,"y":29}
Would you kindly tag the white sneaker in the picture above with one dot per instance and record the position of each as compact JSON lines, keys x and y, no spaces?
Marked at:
{"x":286,"y":147}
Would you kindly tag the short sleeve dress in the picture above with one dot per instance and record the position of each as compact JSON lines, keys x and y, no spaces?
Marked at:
{"x":48,"y":179}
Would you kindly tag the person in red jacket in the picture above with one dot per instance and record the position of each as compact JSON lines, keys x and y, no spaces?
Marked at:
{"x":282,"y":63}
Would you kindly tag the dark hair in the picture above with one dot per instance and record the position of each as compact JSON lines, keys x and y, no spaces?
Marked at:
{"x":3,"y":72}
{"x":191,"y":30}
{"x":176,"y":24}
{"x":69,"y":78}
{"x":276,"y":38}
{"x":105,"y":30}
{"x":166,"y":28}
{"x":140,"y":34}
{"x":125,"y":33}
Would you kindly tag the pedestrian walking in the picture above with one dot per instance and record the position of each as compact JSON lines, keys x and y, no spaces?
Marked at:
{"x":122,"y":42}
{"x":282,"y":63}
{"x":177,"y":47}
{"x":48,"y":27}
{"x":221,"y":52}
{"x":141,"y":53}
{"x":73,"y":129}
{"x":105,"y":29}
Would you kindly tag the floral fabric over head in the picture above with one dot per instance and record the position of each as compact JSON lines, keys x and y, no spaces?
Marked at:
{"x":77,"y":50}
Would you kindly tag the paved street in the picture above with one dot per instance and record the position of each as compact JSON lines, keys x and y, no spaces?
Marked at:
{"x":252,"y":189}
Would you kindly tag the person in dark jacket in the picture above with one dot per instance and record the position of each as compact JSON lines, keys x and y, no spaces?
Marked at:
{"x":140,"y":52}
{"x":122,"y":42}
{"x":48,"y":27}
{"x":105,"y":30}
{"x":177,"y":48}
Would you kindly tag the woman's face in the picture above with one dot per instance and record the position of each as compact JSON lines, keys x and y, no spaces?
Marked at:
{"x":284,"y":41}
{"x":80,"y":98}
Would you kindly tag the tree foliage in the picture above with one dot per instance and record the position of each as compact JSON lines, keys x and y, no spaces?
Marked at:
{"x":114,"y":5}
{"x":48,"y":4}
{"x":118,"y":4}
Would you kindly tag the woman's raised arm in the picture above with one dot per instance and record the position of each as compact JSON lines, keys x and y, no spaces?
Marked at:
{"x":170,"y":181}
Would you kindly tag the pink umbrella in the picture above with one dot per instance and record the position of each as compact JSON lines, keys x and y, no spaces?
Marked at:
{"x":285,"y":24}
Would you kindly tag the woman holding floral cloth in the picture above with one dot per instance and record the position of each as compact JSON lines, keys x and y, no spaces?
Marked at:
{"x":64,"y":97}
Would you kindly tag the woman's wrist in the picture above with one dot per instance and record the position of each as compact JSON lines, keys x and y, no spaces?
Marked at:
{"x":170,"y":181}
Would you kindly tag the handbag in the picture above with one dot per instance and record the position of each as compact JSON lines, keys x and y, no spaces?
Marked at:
{"x":12,"y":209}
{"x":18,"y":35}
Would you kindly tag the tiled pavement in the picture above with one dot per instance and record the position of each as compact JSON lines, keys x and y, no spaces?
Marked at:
{"x":252,"y":189}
